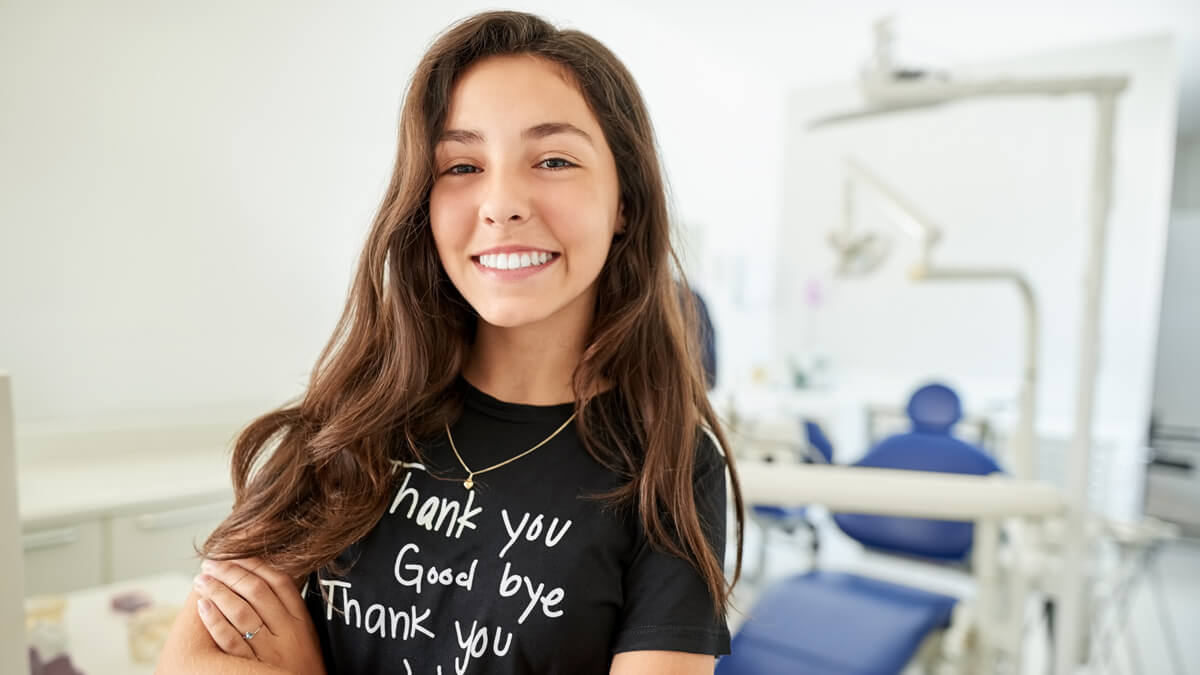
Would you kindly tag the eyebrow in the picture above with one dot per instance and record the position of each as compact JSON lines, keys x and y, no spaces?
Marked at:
{"x":463,"y":136}
{"x":543,"y":130}
{"x":551,"y":128}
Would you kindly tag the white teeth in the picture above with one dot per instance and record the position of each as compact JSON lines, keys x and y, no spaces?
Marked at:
{"x":513,"y":261}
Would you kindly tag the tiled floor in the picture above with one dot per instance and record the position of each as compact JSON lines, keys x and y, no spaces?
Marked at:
{"x":1162,"y":613}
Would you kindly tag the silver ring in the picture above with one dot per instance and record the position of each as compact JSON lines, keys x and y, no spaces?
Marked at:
{"x":248,"y":635}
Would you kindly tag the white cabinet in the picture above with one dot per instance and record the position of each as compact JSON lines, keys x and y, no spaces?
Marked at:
{"x":63,"y":558}
{"x":71,"y":555}
{"x":98,"y":513}
{"x":161,"y":540}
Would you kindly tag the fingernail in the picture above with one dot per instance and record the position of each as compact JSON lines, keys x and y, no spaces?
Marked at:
{"x":203,"y":605}
{"x":201,"y":579}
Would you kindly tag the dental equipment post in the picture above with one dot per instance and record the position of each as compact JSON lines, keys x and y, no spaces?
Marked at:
{"x":888,"y":91}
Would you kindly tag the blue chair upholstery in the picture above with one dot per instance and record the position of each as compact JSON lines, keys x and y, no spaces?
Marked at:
{"x":832,"y":623}
{"x":818,"y":440}
{"x":934,"y":410}
{"x":826,"y":622}
{"x":940,"y":539}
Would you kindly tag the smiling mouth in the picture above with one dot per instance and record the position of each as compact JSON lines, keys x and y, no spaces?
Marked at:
{"x":515,"y":261}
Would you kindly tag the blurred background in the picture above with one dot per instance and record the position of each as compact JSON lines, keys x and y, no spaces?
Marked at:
{"x":186,"y":188}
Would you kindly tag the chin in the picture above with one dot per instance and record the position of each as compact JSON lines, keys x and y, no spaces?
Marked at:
{"x":513,"y":317}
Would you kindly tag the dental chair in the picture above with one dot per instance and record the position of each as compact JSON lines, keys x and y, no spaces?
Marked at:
{"x":789,"y":519}
{"x":837,"y":623}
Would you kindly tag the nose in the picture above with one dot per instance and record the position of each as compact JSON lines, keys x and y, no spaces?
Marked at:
{"x":506,"y":201}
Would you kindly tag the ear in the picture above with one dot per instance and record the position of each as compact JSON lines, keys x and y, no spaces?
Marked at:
{"x":620,"y":220}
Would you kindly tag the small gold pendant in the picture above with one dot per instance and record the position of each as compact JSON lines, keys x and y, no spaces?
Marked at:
{"x":468,"y":483}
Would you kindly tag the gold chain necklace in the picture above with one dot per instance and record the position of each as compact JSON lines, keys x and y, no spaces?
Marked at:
{"x":470,"y":481}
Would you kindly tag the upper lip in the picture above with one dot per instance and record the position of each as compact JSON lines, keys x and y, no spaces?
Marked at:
{"x":515,"y":248}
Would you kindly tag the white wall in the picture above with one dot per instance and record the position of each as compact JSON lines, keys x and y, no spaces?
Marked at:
{"x":1009,"y":181}
{"x":187,"y":188}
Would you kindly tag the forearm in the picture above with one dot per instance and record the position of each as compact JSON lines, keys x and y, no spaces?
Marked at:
{"x":216,"y":664}
{"x":661,"y":663}
{"x":189,"y":649}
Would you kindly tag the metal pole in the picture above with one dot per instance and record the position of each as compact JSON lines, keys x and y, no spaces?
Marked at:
{"x":989,"y":630}
{"x":1022,"y":452}
{"x":1071,"y":599}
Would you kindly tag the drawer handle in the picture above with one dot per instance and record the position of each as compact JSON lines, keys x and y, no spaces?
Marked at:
{"x":1169,"y":463}
{"x":165,"y":520}
{"x":50,"y":538}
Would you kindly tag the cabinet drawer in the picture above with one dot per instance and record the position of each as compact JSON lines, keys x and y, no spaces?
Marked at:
{"x":61,"y":559}
{"x":161,"y":541}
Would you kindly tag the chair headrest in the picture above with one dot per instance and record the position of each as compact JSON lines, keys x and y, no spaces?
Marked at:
{"x":817,"y":439}
{"x":934,"y":409}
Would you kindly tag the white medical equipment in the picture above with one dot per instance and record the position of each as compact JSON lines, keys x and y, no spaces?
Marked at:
{"x":920,"y":227}
{"x":887,"y":91}
{"x":1054,"y":565}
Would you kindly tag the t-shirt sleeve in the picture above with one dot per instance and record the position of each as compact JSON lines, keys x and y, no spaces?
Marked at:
{"x":667,"y":603}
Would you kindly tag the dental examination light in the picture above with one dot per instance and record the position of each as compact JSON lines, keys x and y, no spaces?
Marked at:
{"x":888,"y":90}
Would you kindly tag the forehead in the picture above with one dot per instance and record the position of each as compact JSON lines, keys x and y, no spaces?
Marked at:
{"x":505,"y":94}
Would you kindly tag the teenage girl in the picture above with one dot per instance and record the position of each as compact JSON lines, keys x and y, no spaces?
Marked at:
{"x":506,"y":461}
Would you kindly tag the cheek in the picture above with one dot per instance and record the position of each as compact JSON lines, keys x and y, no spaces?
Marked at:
{"x":580,"y":220}
{"x":450,"y":229}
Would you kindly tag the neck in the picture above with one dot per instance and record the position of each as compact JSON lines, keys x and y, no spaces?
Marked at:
{"x":527,"y":364}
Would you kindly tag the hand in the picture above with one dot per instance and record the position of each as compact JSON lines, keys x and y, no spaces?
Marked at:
{"x":247,"y":596}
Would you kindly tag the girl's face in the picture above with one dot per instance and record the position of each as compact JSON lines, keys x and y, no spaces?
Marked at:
{"x":525,"y":198}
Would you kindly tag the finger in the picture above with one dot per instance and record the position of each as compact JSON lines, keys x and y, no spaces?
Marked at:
{"x":223,"y":633}
{"x":253,"y":590}
{"x":284,"y":587}
{"x":235,"y":609}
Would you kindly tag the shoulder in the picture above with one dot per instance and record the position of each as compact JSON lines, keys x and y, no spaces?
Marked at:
{"x":710,"y":456}
{"x":710,"y":477}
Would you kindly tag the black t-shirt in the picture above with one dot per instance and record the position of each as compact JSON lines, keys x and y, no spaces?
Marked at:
{"x":521,"y":574}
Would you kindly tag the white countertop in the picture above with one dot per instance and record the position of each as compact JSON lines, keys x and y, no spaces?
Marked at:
{"x":110,"y":473}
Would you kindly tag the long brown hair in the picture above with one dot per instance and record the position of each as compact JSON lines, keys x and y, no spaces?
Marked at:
{"x":385,"y":381}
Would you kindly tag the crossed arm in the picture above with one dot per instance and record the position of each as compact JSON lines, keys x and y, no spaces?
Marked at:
{"x":237,"y":597}
{"x":242,"y":596}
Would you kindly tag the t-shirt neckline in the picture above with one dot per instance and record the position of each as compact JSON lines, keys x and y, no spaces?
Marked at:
{"x":515,"y":412}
